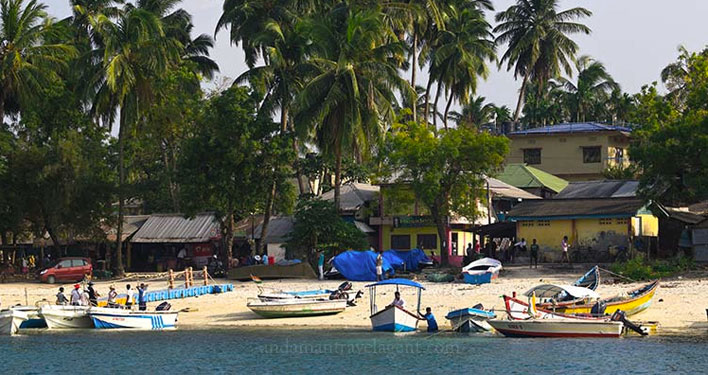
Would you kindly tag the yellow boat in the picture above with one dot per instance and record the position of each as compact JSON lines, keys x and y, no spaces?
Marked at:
{"x":631,"y":303}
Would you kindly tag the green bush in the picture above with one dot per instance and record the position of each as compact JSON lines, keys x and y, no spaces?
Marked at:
{"x":641,"y":269}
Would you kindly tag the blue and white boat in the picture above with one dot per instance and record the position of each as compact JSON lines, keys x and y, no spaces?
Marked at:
{"x":394,"y":318}
{"x":481,"y":271}
{"x":103,"y":317}
{"x":470,"y":320}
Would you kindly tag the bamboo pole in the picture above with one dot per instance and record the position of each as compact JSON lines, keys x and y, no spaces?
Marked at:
{"x":171,"y":278}
{"x":206,"y":275}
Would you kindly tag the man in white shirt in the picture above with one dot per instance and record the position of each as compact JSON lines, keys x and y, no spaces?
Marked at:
{"x":76,"y":296}
{"x":180,"y":258}
{"x":398,"y":301}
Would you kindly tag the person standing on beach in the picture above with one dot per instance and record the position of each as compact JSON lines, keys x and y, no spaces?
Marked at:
{"x":76,"y":296}
{"x":142,"y":299}
{"x":61,"y":298}
{"x":533,"y":259}
{"x":564,"y":246}
{"x":320,"y":264}
{"x":379,"y":266}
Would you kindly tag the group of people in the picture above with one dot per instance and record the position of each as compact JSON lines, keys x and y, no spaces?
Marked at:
{"x":89,"y":296}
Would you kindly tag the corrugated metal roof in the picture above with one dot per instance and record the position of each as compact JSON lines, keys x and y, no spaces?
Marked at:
{"x":500,"y":188}
{"x":524,"y":176}
{"x":577,"y":127}
{"x":131,"y":224}
{"x":279,"y":229}
{"x":178,"y":229}
{"x":569,"y":208}
{"x":600,"y":189}
{"x":353,"y":195}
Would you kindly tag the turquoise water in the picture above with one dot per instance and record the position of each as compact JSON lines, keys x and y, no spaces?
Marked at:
{"x":343,"y":352}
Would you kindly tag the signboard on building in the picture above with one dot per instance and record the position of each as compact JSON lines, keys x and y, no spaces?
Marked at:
{"x":413,"y":221}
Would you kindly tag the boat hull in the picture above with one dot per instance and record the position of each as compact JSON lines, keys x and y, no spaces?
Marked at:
{"x":479,"y":278}
{"x":106,"y":318}
{"x":297,"y":308}
{"x":470,"y":320}
{"x":558,"y":328}
{"x":629,"y":305}
{"x":394,"y":319}
{"x":66,"y":317}
{"x":10,"y":322}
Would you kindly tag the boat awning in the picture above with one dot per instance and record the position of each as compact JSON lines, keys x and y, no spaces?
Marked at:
{"x":405,"y":282}
{"x":551,"y":291}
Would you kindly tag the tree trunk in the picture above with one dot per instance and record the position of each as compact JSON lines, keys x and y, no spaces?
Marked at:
{"x":522,"y":91}
{"x":414,"y":65}
{"x":121,"y":191}
{"x":447,"y":109}
{"x":229,"y":240}
{"x":170,"y":178}
{"x":427,"y":98}
{"x":337,"y":173}
{"x":435,"y":105}
{"x":442,"y":234}
{"x":301,"y":184}
{"x":266,"y":217}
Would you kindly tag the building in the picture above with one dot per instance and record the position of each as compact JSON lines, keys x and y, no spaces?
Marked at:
{"x":532,"y":180}
{"x":575,"y":152}
{"x":405,"y":223}
{"x":596,"y":214}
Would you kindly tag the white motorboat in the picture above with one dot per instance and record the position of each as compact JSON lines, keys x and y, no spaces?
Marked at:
{"x":62,"y":317}
{"x":284,"y":308}
{"x":10,"y":321}
{"x":481,"y":271}
{"x":558,"y":327}
{"x":394,"y":318}
{"x":108,"y":318}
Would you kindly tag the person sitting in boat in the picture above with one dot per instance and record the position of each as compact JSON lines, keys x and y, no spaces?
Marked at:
{"x":76,"y":296}
{"x":112,"y":295}
{"x":93,"y":294}
{"x":430,"y":318}
{"x":398,"y":301}
{"x":61,"y":298}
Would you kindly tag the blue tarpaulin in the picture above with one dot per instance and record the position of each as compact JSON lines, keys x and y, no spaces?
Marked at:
{"x":359,"y":265}
{"x":411,"y":258}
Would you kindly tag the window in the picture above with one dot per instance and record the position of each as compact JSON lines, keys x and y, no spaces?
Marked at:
{"x":427,"y":241}
{"x":532,"y":156}
{"x":591,"y":154}
{"x":401,"y":242}
{"x":77,"y":263}
{"x":65,"y":264}
{"x":526,"y":223}
{"x":543,"y":223}
{"x":605,"y":221}
{"x":562,"y":140}
{"x":622,"y":221}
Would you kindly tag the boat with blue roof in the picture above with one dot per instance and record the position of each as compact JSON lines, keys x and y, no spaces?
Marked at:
{"x":394,"y":317}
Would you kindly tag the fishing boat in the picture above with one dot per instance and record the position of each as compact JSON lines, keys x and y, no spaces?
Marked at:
{"x":393,"y":318}
{"x":481,"y":271}
{"x":305,"y":294}
{"x":590,"y":280}
{"x":285,"y":308}
{"x":631,"y":302}
{"x":557,"y":295}
{"x":558,"y":327}
{"x":63,"y":317}
{"x":32,"y":318}
{"x":104,"y":317}
{"x":472,"y":319}
{"x":10,"y":321}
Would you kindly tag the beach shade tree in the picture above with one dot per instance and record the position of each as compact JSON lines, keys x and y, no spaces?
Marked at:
{"x":590,"y":92}
{"x":446,"y":171}
{"x":229,"y":164}
{"x":538,"y":42}
{"x":135,"y":51}
{"x":33,"y":50}
{"x":344,"y":107}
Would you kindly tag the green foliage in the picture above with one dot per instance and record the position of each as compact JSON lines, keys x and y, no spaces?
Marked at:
{"x":318,"y":227}
{"x":640,"y":269}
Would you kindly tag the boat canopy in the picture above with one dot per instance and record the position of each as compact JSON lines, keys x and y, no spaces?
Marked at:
{"x":488,"y":262}
{"x":405,"y":282}
{"x":553,"y":291}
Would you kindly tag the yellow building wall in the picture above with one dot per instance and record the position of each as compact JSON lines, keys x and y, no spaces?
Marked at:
{"x":601,"y":233}
{"x":650,"y":225}
{"x":463,"y":238}
{"x":562,"y":154}
{"x":548,"y":233}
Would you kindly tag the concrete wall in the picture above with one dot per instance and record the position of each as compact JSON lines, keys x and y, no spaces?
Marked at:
{"x":562,"y":154}
{"x":463,"y":238}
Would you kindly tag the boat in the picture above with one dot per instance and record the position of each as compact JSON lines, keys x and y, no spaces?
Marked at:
{"x":10,"y":321}
{"x":631,"y":302}
{"x":306,"y":294}
{"x":473,"y":319}
{"x":557,"y":295}
{"x":108,"y":318}
{"x":285,"y":308}
{"x":394,"y":318}
{"x":558,"y":327}
{"x":32,"y":319}
{"x":481,"y":271}
{"x":590,"y":280}
{"x":63,"y":317}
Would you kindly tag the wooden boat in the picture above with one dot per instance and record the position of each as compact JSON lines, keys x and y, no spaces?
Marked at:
{"x":285,"y":308}
{"x":108,"y":318}
{"x":63,"y":317}
{"x":631,"y":302}
{"x":284,"y":295}
{"x":558,"y":327}
{"x":394,"y":318}
{"x":470,"y":320}
{"x":481,"y":271}
{"x":590,"y":279}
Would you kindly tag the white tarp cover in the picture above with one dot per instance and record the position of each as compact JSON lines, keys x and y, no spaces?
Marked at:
{"x":552,"y":291}
{"x":489,"y":262}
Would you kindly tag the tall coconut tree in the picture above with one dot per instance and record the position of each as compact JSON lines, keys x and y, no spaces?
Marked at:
{"x":539,"y":46}
{"x":29,"y":56}
{"x":345,"y":105}
{"x":594,"y":85}
{"x":135,"y":53}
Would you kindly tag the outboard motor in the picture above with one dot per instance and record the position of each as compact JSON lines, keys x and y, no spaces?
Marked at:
{"x":620,"y":316}
{"x":598,"y":309}
{"x":165,"y":306}
{"x":345,"y":286}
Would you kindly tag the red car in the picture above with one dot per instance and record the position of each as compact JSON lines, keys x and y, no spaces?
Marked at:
{"x":66,"y":269}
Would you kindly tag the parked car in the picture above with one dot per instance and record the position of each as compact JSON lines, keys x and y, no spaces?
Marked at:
{"x":66,"y":269}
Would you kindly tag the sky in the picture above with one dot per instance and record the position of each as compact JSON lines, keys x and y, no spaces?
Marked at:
{"x":635,"y":39}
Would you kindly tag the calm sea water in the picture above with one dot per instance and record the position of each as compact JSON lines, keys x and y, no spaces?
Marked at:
{"x":252,"y":351}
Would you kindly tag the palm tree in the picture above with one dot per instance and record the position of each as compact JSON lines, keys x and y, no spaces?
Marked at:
{"x":593,"y":86}
{"x":344,"y":106}
{"x":475,"y":113}
{"x":29,"y":56}
{"x":538,"y":43}
{"x":501,"y":115}
{"x":136,"y":52}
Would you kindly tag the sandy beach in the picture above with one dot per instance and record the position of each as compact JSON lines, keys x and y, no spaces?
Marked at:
{"x":679,"y":304}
